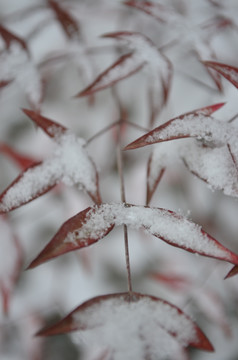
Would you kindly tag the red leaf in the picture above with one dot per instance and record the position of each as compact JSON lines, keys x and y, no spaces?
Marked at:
{"x":21,"y":160}
{"x":151,"y":183}
{"x":229,"y":72}
{"x":150,"y":321}
{"x":92,"y":224}
{"x":68,"y":238}
{"x":232,"y":272}
{"x":23,"y":189}
{"x":177,"y":130}
{"x":124,"y":67}
{"x":68,"y":23}
{"x":10,"y":38}
{"x":49,"y":126}
{"x":158,"y":11}
{"x":174,"y":281}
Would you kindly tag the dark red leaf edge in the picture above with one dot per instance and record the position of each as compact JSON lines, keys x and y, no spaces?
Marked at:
{"x":68,"y":23}
{"x":22,"y":161}
{"x":50,"y":127}
{"x":150,"y":192}
{"x":67,"y":238}
{"x":92,"y":88}
{"x":147,"y":7}
{"x":18,"y":178}
{"x":141,"y":141}
{"x":225,"y":70}
{"x":232,"y":272}
{"x":67,"y":323}
{"x":9,"y":38}
{"x":58,"y":246}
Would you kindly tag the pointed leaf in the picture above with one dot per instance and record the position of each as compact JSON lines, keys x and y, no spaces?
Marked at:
{"x":68,"y":237}
{"x":149,"y":322}
{"x":158,"y":11}
{"x":232,"y":272}
{"x":10,"y":38}
{"x":68,"y":23}
{"x":50,"y":127}
{"x":215,"y":166}
{"x":154,"y":175}
{"x":94,"y":223}
{"x":124,"y":67}
{"x":229,"y":72}
{"x":69,"y":163}
{"x":196,"y":123}
{"x":21,"y":160}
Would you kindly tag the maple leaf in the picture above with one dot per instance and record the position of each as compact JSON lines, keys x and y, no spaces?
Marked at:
{"x":94,"y":223}
{"x":156,"y":328}
{"x":69,"y":163}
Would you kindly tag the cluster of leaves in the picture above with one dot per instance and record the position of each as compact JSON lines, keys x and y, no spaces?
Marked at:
{"x":124,"y":325}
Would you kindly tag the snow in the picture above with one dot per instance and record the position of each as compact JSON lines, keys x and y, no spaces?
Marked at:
{"x":16,"y":65}
{"x":69,"y":163}
{"x":215,"y":165}
{"x":130,"y":329}
{"x":177,"y":230}
{"x":202,"y":127}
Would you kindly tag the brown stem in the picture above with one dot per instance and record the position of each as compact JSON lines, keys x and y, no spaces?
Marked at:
{"x":123,"y":199}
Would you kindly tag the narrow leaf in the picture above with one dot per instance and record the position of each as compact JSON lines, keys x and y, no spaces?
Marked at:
{"x":124,"y":67}
{"x":94,"y":223}
{"x":21,"y":160}
{"x":232,"y":272}
{"x":69,"y":238}
{"x":66,"y":20}
{"x":50,"y":127}
{"x":10,"y":38}
{"x":196,"y":123}
{"x":158,"y":11}
{"x":152,"y":179}
{"x":148,"y":322}
{"x":229,"y":72}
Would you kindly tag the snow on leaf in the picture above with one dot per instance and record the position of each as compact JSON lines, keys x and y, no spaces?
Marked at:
{"x":213,"y":165}
{"x":94,"y":223}
{"x":124,"y":67}
{"x":156,"y":328}
{"x":197,"y":123}
{"x":68,"y":23}
{"x":50,"y":127}
{"x":144,"y":54}
{"x":69,"y":163}
{"x":229,"y":72}
{"x":11,"y":259}
{"x":21,"y":160}
{"x":17,"y":68}
{"x":68,"y":238}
